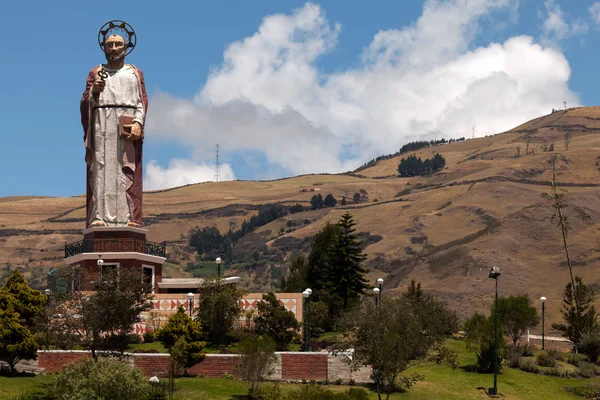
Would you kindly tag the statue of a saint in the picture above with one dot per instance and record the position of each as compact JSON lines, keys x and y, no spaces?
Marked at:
{"x":113,"y":111}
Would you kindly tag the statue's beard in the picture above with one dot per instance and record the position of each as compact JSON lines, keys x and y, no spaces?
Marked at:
{"x":114,"y":58}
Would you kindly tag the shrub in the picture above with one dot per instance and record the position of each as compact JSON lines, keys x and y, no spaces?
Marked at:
{"x":576,"y":359}
{"x":544,"y":360}
{"x":528,"y":350}
{"x":257,"y":355}
{"x":586,"y":391}
{"x":528,"y":365}
{"x":590,"y":344}
{"x":134,"y":338}
{"x":555,"y":353}
{"x":586,"y":370}
{"x":513,"y":355}
{"x":104,"y":379}
{"x":149,"y":337}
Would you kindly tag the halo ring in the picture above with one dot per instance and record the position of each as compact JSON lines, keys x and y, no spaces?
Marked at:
{"x":116,"y":26}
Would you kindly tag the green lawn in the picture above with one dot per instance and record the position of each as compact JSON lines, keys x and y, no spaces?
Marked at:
{"x":440,"y":383}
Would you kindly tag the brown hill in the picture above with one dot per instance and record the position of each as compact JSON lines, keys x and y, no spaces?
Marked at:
{"x":486,"y":208}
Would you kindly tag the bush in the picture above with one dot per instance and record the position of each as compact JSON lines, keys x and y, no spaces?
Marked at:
{"x":576,"y":359}
{"x":555,"y":353}
{"x":587,"y":391}
{"x":513,"y":355}
{"x":133,"y":338}
{"x":257,"y":356}
{"x":590,"y":344}
{"x":544,"y":360}
{"x":586,"y":370}
{"x":149,"y":337}
{"x":528,"y":365}
{"x":528,"y":350}
{"x":104,"y":379}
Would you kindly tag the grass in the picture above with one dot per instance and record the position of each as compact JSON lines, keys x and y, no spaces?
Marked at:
{"x":156,"y":345}
{"x":440,"y":382}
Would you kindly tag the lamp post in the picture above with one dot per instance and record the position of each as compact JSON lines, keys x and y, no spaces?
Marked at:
{"x":543,"y":300}
{"x":219,"y":261}
{"x":376,"y":293}
{"x":494,"y":274}
{"x":380,"y":286}
{"x":47,"y":291}
{"x":306,"y":326}
{"x":190,"y":297}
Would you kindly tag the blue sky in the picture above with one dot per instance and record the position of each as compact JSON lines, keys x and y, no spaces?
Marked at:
{"x":287,"y":87}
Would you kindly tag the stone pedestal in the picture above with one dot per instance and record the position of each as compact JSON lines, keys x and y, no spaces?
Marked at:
{"x":120,"y":247}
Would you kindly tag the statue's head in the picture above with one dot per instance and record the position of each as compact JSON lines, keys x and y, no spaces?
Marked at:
{"x":115,"y":48}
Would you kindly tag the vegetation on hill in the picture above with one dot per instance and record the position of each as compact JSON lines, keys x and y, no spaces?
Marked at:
{"x":413,"y":166}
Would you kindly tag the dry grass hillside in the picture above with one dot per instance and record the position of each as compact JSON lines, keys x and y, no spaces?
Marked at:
{"x":486,"y":208}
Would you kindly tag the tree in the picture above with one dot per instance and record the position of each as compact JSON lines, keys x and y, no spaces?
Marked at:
{"x":480,"y":339}
{"x":578,"y":312}
{"x":109,"y":312}
{"x":275,"y":321}
{"x":219,"y":308}
{"x":395,"y":336}
{"x":568,"y":138}
{"x":330,"y":201}
{"x":295,"y":279}
{"x":356,"y":197}
{"x":256,"y":361}
{"x":16,"y":342}
{"x":319,"y":259}
{"x":346,"y":276}
{"x":179,"y":326}
{"x":296,"y":208}
{"x":343,"y":202}
{"x":27,"y":301}
{"x":516,"y":315}
{"x":317,"y":202}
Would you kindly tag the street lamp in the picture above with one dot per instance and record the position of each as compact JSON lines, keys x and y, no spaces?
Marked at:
{"x":543,"y":300}
{"x":47,"y":291}
{"x":495,"y":274}
{"x":190,"y":297}
{"x":376,"y":293}
{"x":219,"y":261}
{"x":380,"y":286}
{"x":306,"y":326}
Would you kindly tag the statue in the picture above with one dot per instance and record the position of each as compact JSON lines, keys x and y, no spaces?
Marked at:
{"x":113,"y":111}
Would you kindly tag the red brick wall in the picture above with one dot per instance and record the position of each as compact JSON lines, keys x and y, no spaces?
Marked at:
{"x":54,"y":361}
{"x":215,"y":366}
{"x":152,"y":365}
{"x":304,"y":366}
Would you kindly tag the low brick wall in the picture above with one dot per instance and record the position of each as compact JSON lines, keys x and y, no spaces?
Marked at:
{"x":54,"y":361}
{"x":304,"y":366}
{"x":288,"y":365}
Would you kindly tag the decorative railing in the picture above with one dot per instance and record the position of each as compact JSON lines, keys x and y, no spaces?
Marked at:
{"x":116,"y":245}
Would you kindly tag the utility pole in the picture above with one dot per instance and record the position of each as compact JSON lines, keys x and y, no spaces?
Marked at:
{"x":217,"y":169}
{"x":473,"y":131}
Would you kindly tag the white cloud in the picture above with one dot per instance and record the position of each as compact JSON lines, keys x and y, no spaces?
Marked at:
{"x":182,"y":172}
{"x":423,"y":81}
{"x":594,"y":10}
{"x":556,"y":28}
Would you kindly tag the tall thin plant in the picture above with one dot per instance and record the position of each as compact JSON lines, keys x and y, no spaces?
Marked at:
{"x":562,"y":222}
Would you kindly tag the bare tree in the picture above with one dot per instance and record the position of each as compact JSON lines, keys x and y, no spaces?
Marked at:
{"x":568,"y":138}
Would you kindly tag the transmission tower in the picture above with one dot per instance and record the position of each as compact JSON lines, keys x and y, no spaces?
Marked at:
{"x":217,"y":170}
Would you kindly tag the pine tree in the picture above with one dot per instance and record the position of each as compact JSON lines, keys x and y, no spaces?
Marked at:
{"x":347,"y":275}
{"x":26,"y":302}
{"x":317,"y":276}
{"x":578,"y":311}
{"x":330,"y":201}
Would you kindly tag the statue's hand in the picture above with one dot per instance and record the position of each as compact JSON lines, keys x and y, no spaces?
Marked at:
{"x":98,"y":86}
{"x":136,"y":131}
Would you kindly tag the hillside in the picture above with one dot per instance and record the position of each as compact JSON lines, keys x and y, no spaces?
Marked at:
{"x":486,"y":208}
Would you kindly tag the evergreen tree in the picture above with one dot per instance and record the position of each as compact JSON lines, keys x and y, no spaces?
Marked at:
{"x":317,"y":202}
{"x":343,"y":202}
{"x":578,"y":311}
{"x":275,"y":321}
{"x":26,"y":302}
{"x":347,"y":275}
{"x":16,"y":342}
{"x":218,"y":310}
{"x":330,"y":201}
{"x":319,"y":258}
{"x":295,"y":279}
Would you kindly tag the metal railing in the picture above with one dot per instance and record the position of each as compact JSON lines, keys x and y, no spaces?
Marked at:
{"x":115,"y":245}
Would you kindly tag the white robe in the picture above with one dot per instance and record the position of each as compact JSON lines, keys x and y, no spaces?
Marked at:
{"x":109,"y":183}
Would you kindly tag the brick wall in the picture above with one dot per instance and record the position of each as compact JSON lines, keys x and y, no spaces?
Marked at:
{"x":152,"y":364}
{"x":289,"y":365}
{"x":217,"y":365}
{"x":304,"y":366}
{"x":53,"y":361}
